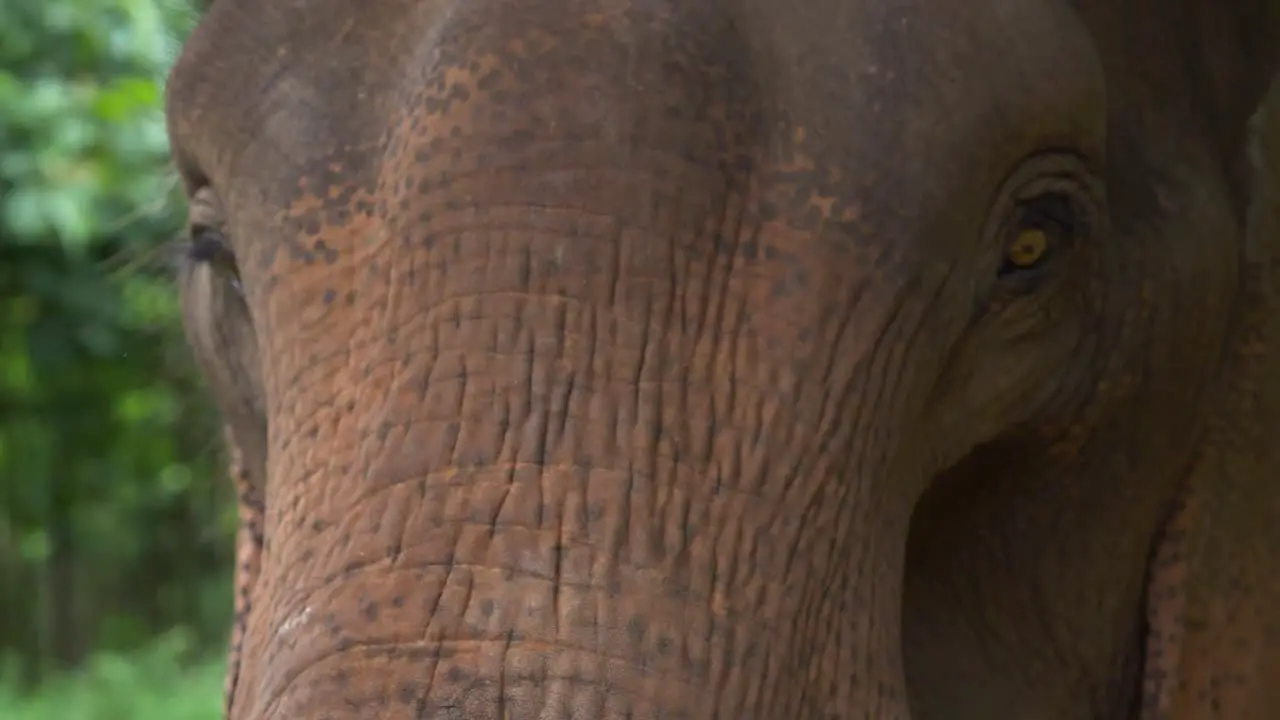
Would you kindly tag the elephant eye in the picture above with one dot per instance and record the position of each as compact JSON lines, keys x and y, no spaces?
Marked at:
{"x":209,"y":246}
{"x":1031,"y":245}
{"x":1043,"y":224}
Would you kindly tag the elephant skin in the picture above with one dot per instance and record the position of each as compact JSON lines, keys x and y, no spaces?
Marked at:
{"x":742,"y":359}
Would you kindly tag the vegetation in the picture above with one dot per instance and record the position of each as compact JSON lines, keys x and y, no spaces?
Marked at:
{"x":115,"y":520}
{"x":151,"y":685}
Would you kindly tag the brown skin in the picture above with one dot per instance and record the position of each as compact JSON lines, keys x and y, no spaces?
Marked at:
{"x":825,"y":359}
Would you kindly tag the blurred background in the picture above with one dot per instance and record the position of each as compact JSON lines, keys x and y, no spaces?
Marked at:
{"x":115,"y":518}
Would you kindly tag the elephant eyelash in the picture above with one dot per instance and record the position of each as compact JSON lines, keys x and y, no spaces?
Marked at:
{"x":1053,"y":212}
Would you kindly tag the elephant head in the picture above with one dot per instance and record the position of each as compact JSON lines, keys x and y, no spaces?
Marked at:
{"x":742,"y":359}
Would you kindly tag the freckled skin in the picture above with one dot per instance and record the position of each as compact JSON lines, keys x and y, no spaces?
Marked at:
{"x":648,"y":359}
{"x":248,"y":562}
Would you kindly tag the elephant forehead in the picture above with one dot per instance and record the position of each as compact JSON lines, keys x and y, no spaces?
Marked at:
{"x":887,"y":104}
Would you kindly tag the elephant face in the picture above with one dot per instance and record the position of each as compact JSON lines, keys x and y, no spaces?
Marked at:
{"x":596,"y":358}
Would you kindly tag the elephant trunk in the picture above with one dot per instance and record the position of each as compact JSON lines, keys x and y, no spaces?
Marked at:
{"x":597,"y":439}
{"x":554,"y":507}
{"x":566,"y":484}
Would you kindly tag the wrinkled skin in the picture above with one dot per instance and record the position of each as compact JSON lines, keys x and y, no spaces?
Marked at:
{"x":741,"y":359}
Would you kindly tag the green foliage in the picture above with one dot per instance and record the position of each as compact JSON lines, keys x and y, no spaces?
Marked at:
{"x":155,"y":684}
{"x":81,"y":127}
{"x":114,"y":518}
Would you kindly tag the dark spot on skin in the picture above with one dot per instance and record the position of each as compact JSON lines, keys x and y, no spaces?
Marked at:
{"x":767,"y":211}
{"x":486,"y":608}
{"x":449,"y":435}
{"x":318,"y":525}
{"x":330,"y":295}
{"x":455,"y":674}
{"x":409,"y":692}
{"x":328,"y":254}
{"x":397,"y":601}
{"x":370,"y":611}
{"x":301,"y":254}
{"x":636,"y":628}
{"x":489,"y":81}
{"x":479,"y":459}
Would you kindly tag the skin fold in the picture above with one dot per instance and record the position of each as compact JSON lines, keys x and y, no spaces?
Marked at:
{"x":739,"y":359}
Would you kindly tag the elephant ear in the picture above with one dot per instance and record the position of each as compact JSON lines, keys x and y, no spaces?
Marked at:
{"x":1213,"y":595}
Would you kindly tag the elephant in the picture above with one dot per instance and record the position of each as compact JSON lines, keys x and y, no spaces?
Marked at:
{"x":741,"y":359}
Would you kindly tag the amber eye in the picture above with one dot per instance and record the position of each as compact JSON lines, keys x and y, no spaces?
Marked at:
{"x":1028,"y":248}
{"x":1042,"y":225}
